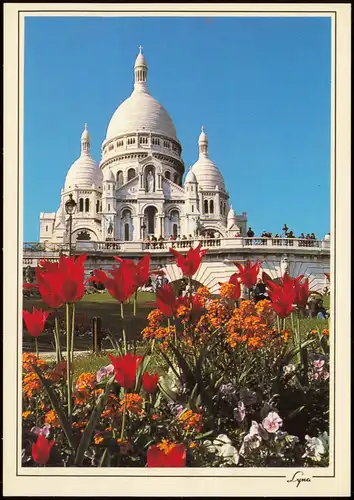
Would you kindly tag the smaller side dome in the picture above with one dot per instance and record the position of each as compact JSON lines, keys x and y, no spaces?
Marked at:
{"x":190,"y":177}
{"x":108,"y":175}
{"x":231,"y":214}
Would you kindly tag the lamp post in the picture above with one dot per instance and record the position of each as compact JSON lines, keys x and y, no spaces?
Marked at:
{"x":70,"y":207}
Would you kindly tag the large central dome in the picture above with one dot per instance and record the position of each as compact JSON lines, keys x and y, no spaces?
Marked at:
{"x":140,"y":112}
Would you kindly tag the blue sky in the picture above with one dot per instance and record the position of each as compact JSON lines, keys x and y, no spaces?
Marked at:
{"x":260,"y":86}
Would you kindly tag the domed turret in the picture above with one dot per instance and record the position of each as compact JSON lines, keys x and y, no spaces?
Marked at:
{"x":190,"y":177}
{"x":108,"y":175}
{"x":84,"y":171}
{"x":205,"y":170}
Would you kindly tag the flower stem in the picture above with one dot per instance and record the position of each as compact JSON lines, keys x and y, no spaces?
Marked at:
{"x":123,"y":327}
{"x":123,"y":417}
{"x":68,"y":360}
{"x":72,"y":332}
{"x":135,"y":302}
{"x":36,"y":344}
{"x":57,"y":340}
{"x":278,"y":324}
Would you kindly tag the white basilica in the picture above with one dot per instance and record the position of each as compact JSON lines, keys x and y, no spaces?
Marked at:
{"x":137,"y":189}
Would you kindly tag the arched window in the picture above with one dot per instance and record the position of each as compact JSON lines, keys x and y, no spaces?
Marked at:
{"x":221,"y":208}
{"x":100,"y":206}
{"x":87,"y":205}
{"x":120,"y":178}
{"x":109,"y":207}
{"x":97,"y":205}
{"x":81,"y":205}
{"x":168,"y":174}
{"x":211,"y":207}
{"x":206,"y":207}
{"x":131,"y":174}
{"x":46,"y":228}
{"x":175,"y":231}
{"x":192,"y":208}
{"x":175,"y":178}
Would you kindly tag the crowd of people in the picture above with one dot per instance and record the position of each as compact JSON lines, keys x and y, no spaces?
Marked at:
{"x":314,"y":309}
{"x":307,"y":240}
{"x":151,"y":242}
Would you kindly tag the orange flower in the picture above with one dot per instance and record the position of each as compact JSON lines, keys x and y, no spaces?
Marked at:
{"x":98,"y":439}
{"x":85,"y":385}
{"x":80,"y":424}
{"x":183,"y":313}
{"x":325,"y":332}
{"x":251,"y":324}
{"x":31,"y":385}
{"x":29,"y":359}
{"x":227,"y":291}
{"x":133,"y":403}
{"x":203,"y":292}
{"x":155,"y":317}
{"x":191,"y":421}
{"x":193,"y":444}
{"x":26,"y":414}
{"x":52,"y":419}
{"x":166,"y":446}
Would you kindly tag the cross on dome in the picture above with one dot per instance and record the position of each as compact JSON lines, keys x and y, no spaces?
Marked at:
{"x":203,"y":143}
{"x":140,"y":49}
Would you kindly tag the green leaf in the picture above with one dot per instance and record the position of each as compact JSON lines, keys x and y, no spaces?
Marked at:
{"x":170,"y":364}
{"x":94,"y":418}
{"x":173,"y":396}
{"x":142,"y":367}
{"x":57,"y":407}
{"x":102,"y":460}
{"x":187,"y":372}
{"x":193,"y":398}
{"x":206,"y":434}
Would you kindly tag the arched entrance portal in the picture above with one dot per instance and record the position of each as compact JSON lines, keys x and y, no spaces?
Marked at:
{"x":150,"y":220}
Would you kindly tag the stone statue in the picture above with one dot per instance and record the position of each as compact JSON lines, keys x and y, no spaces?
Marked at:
{"x":110,"y":227}
{"x":150,"y":182}
{"x":284,"y":265}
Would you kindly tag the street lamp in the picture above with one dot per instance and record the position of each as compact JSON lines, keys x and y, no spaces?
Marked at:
{"x":70,"y":207}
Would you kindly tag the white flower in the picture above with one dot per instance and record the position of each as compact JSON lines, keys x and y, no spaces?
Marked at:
{"x":314,"y":448}
{"x":229,"y":454}
{"x":172,"y":381}
{"x":289,"y":369}
{"x":222,"y":447}
{"x":272,"y":422}
{"x":45,"y":430}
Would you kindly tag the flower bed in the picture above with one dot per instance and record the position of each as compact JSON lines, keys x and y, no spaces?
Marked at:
{"x":241,"y":386}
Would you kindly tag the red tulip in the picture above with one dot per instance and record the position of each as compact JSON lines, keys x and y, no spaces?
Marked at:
{"x":150,"y":381}
{"x":125,"y":369}
{"x":328,"y":276}
{"x":121,"y":285}
{"x":248,"y":273}
{"x":35,"y":321}
{"x":166,"y":300}
{"x":41,"y":450}
{"x":174,"y":456}
{"x":49,"y":295}
{"x":141,"y":269}
{"x":302,"y":293}
{"x":282,"y":300}
{"x":190,"y":263}
{"x":63,"y":280}
{"x":234,"y":280}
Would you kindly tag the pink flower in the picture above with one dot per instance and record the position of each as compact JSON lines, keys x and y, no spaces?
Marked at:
{"x":45,"y":430}
{"x":318,"y":363}
{"x":240,"y":411}
{"x":272,"y":422}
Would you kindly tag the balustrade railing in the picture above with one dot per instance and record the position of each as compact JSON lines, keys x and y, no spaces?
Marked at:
{"x":52,"y":249}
